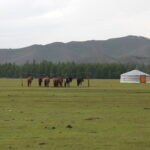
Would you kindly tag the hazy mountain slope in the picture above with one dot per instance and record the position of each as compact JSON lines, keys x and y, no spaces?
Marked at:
{"x":126,"y":49}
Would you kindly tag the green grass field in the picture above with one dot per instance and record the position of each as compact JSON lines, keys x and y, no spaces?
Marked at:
{"x":106,"y":116}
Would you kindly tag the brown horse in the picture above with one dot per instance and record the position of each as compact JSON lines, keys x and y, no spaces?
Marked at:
{"x":58,"y":82}
{"x":29,"y":81}
{"x":46,"y":81}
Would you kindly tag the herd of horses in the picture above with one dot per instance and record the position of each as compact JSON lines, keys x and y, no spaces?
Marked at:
{"x":57,"y":82}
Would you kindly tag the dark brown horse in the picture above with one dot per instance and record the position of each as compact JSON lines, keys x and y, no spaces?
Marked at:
{"x":46,"y":81}
{"x":58,"y":82}
{"x":79,"y":81}
{"x":67,"y":81}
{"x":29,"y":81}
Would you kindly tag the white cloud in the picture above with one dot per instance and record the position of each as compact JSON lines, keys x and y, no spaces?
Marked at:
{"x":26,"y":22}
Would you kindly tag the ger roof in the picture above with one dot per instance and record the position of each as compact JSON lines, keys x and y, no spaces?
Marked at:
{"x":135,"y":72}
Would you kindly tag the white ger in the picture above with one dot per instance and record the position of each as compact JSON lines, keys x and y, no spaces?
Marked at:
{"x":135,"y":76}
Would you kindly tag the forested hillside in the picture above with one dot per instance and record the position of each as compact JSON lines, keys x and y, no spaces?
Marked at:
{"x":103,"y":71}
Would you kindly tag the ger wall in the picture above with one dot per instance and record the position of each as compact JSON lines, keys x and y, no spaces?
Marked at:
{"x":132,"y":79}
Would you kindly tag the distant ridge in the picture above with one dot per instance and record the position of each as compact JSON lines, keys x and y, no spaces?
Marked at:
{"x":129,"y":49}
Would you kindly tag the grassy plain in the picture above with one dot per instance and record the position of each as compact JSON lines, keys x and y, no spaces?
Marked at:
{"x":106,"y":116}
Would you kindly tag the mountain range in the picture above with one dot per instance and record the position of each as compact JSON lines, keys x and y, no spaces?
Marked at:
{"x":129,"y":49}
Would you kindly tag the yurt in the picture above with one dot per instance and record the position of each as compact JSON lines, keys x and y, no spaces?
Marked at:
{"x":135,"y":76}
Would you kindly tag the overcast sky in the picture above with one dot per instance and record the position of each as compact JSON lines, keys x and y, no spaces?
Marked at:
{"x":27,"y":22}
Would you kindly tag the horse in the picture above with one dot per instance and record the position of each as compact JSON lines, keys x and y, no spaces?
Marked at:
{"x":67,"y":81}
{"x":46,"y":81}
{"x":58,"y":82}
{"x":40,"y":80}
{"x":79,"y":81}
{"x":29,"y":81}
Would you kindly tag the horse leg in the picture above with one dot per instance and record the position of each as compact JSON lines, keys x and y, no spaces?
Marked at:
{"x":55,"y":84}
{"x":39,"y":83}
{"x":66,"y":83}
{"x":47,"y":83}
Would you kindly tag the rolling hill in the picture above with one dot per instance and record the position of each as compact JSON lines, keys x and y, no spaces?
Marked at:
{"x":129,"y":49}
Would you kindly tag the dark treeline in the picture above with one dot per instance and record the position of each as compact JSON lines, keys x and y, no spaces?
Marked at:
{"x":103,"y":71}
